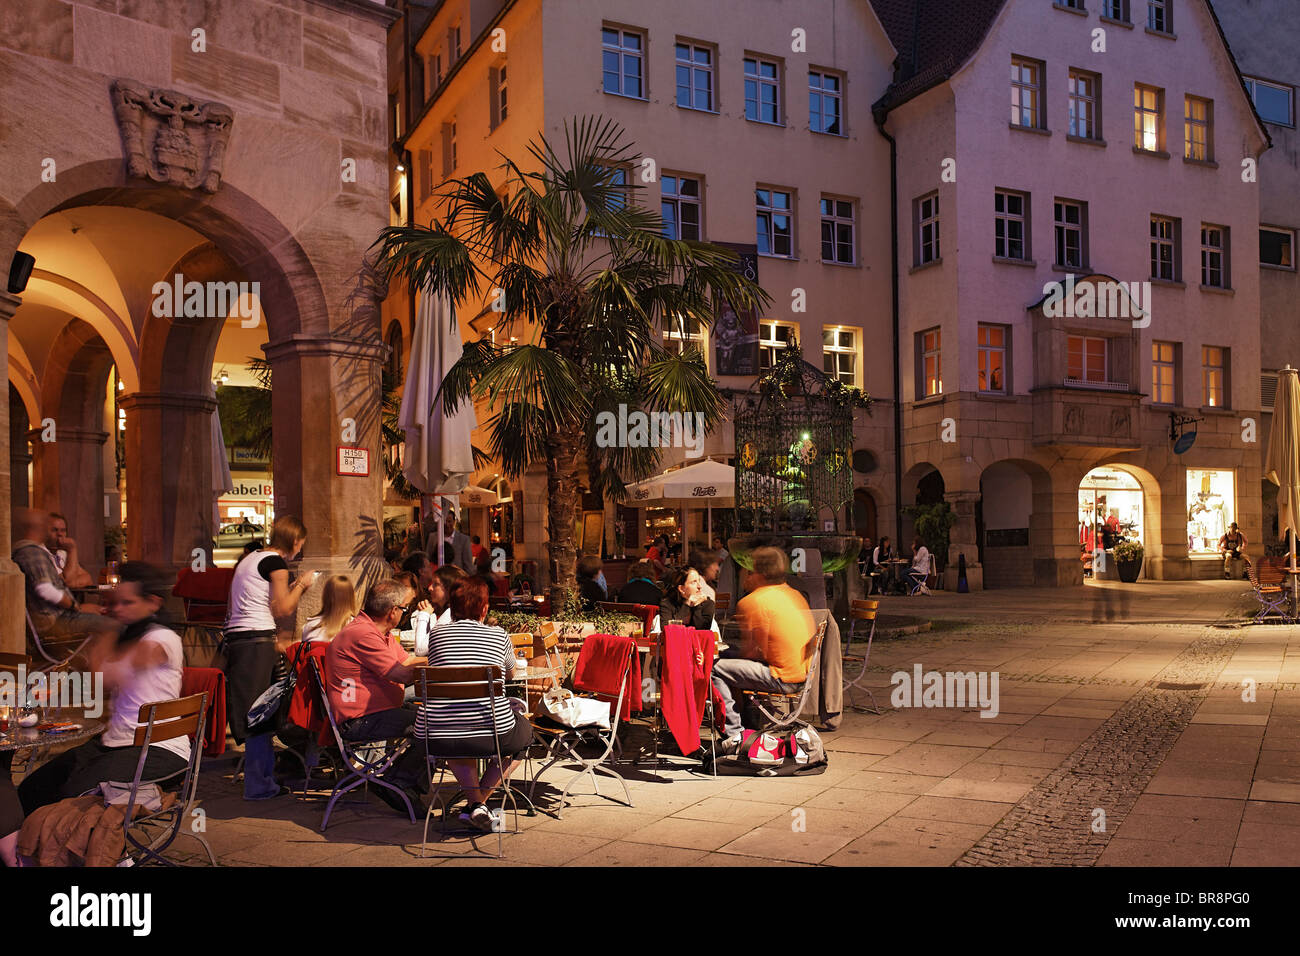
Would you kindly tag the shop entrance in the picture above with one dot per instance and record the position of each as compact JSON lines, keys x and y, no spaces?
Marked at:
{"x":1110,"y":511}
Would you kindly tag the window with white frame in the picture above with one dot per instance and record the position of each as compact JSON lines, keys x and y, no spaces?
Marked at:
{"x":1276,"y":247}
{"x":1275,"y":102}
{"x":1010,"y":219}
{"x":926,"y":211}
{"x":1214,"y":377}
{"x":435,"y":71}
{"x":500,"y":97}
{"x":1086,"y":359}
{"x":680,"y":206}
{"x":1148,"y":111}
{"x":838,"y":231}
{"x":1027,"y":93}
{"x":1214,"y":256}
{"x":840,"y":354}
{"x":1160,"y":16}
{"x":1164,"y":371}
{"x":682,"y":332}
{"x":762,"y":90}
{"x":826,"y":102}
{"x":931,"y":367}
{"x":1164,"y":249}
{"x":774,"y":211}
{"x":773,"y":339}
{"x":1072,"y":4}
{"x":1084,"y":89}
{"x":453,"y":45}
{"x":1070,"y":223}
{"x":694,"y":76}
{"x":1198,"y":129}
{"x":991,"y":347}
{"x":622,"y":62}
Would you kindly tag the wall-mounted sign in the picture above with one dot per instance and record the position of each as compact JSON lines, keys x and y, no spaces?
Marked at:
{"x":354,"y":461}
{"x":735,"y":331}
{"x":1184,"y":442}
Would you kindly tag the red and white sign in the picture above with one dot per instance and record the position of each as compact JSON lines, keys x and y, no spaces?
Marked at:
{"x":354,"y":461}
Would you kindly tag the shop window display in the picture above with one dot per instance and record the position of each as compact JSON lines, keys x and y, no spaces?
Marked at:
{"x":1211,"y":508}
{"x":1110,"y":511}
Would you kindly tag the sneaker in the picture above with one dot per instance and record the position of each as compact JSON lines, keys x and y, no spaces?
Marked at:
{"x":730,"y":745}
{"x":480,"y":817}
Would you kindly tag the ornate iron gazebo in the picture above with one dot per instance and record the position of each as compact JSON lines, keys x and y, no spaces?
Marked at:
{"x":794,"y":449}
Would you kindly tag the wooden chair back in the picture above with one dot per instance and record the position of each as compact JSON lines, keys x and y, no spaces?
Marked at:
{"x":171,"y":719}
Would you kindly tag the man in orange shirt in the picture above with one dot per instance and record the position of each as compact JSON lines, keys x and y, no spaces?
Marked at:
{"x":776,"y":646}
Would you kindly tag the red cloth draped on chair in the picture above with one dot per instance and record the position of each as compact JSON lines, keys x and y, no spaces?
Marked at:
{"x":600,"y":669}
{"x":198,"y":680}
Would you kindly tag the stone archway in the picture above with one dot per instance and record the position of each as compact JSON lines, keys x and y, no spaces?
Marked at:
{"x":1014,"y":526}
{"x":324,"y":349}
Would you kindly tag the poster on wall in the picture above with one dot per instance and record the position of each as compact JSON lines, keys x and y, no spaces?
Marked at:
{"x":735,"y":332}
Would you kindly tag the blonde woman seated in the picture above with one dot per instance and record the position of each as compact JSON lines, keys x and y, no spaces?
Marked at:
{"x":462,"y":729}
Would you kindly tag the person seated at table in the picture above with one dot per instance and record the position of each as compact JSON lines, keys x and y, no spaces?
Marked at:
{"x":366,"y":673}
{"x":142,"y":666}
{"x":590,"y":591}
{"x":775,"y":648}
{"x":428,"y":587}
{"x":641,"y":587}
{"x":920,"y":569}
{"x":881,"y":571}
{"x":53,"y":610}
{"x":462,"y":729}
{"x":684,"y":601}
{"x":709,"y":565}
{"x":1233,"y":548}
{"x":64,"y":551}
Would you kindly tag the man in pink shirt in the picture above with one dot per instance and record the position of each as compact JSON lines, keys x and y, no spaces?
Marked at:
{"x":366,"y":673}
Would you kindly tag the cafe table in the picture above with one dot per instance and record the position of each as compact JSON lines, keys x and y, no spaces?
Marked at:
{"x":14,"y":738}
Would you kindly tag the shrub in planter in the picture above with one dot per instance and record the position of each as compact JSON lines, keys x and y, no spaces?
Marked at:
{"x":1128,"y":558}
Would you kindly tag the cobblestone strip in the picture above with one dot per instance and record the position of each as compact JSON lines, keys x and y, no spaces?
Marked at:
{"x":1053,"y":823}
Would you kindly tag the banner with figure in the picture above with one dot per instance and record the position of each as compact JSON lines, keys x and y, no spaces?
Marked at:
{"x":735,"y":331}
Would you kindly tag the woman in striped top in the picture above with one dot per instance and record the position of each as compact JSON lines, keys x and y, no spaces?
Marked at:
{"x":463,"y":728}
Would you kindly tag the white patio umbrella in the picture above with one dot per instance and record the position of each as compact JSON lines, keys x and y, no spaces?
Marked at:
{"x":222,"y":482}
{"x":478,"y":497}
{"x":439,"y":459}
{"x":1282,"y":466}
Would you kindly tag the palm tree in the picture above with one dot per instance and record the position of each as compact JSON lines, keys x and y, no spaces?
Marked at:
{"x":582,"y":277}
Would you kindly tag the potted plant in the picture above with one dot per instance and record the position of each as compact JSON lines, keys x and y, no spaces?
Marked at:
{"x":1128,"y":560}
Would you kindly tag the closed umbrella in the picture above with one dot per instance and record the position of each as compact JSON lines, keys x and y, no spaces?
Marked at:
{"x":439,"y":458}
{"x":222,"y":482}
{"x":1282,"y":466}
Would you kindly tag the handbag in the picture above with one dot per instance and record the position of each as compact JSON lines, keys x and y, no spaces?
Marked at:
{"x":564,"y":708}
{"x":272,"y":704}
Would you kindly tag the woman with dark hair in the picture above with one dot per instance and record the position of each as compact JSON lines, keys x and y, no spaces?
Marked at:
{"x":142,"y":667}
{"x":463,"y":728}
{"x":260,"y":594}
{"x":684,"y":601}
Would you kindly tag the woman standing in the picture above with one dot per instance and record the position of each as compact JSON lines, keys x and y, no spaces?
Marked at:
{"x":259,"y":595}
{"x":462,"y":729}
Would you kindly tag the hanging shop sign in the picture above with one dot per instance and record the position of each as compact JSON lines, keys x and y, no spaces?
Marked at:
{"x":1182,"y":440}
{"x":735,"y":331}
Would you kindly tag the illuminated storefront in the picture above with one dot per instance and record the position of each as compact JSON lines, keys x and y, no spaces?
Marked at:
{"x":1211,"y":508}
{"x":1110,"y":509}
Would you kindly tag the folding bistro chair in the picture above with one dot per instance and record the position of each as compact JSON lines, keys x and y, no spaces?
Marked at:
{"x":65,"y":648}
{"x":565,"y":741}
{"x":463,"y":683}
{"x":363,"y":768}
{"x":794,"y":703}
{"x":860,"y":613}
{"x":149,"y":835}
{"x":1272,"y":598}
{"x":921,"y":585}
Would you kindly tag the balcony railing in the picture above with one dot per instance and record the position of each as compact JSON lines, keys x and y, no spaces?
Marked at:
{"x":1101,"y":386}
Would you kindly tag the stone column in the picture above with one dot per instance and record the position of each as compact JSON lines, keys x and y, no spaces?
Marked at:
{"x":962,"y":540}
{"x":325,"y":392}
{"x":70,"y":480}
{"x":12,"y":591}
{"x":168,"y":477}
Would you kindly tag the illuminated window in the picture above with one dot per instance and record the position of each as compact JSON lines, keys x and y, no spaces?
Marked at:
{"x":931,"y":363}
{"x":1163,"y":372}
{"x":992,"y":353}
{"x":1148,"y":107}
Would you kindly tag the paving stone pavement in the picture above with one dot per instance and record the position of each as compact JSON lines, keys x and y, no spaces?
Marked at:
{"x":1186,"y":777}
{"x":1069,"y":818}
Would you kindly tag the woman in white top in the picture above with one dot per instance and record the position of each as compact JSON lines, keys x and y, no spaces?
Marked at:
{"x":143,"y":666}
{"x":338,"y":606}
{"x":920,"y":569}
{"x":260,"y":593}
